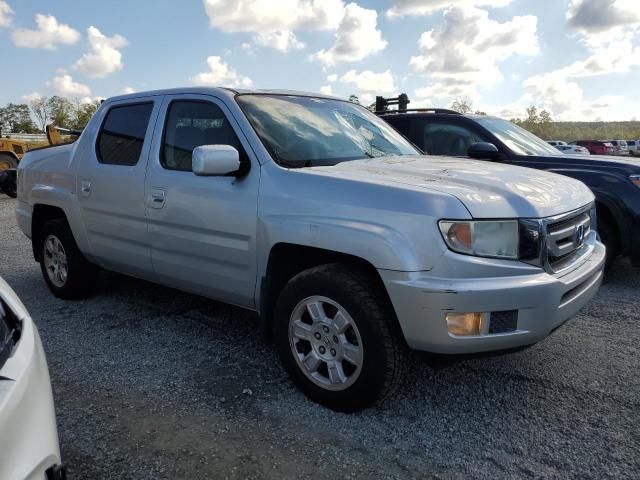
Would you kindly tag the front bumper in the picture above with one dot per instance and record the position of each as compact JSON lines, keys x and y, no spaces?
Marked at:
{"x":28,"y":434}
{"x":464,"y":284}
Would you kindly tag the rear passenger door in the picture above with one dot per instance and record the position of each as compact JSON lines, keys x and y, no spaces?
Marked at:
{"x":202,"y":229}
{"x":110,"y":186}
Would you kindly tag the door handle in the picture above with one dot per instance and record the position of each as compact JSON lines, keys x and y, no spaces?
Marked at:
{"x":157,"y":198}
{"x":85,"y":188}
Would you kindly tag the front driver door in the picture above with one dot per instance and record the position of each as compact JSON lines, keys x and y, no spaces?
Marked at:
{"x":202,"y":229}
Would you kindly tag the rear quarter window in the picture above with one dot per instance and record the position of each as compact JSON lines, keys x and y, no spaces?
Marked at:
{"x":122,"y":134}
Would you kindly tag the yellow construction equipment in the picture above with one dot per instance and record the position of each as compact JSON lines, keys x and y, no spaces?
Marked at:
{"x":11,"y":150}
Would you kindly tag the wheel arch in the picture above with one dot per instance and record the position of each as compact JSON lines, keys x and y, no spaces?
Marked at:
{"x":43,"y":213}
{"x":286,"y":260}
{"x":607,"y":208}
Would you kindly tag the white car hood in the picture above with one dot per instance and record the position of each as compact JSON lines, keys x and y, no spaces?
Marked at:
{"x":487,"y":189}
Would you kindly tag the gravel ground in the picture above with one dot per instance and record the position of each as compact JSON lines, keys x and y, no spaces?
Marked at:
{"x":153,"y":383}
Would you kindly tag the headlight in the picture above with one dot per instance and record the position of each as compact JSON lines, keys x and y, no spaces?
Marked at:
{"x":482,"y":238}
{"x":635,"y":179}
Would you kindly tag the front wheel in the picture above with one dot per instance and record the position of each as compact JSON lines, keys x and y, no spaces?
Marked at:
{"x":7,"y":162}
{"x":338,"y":338}
{"x":66,"y":271}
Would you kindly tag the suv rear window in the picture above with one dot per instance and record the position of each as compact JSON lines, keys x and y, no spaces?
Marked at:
{"x":122,"y":134}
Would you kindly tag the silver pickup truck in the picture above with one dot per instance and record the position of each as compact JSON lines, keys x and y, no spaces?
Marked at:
{"x":351,"y":245}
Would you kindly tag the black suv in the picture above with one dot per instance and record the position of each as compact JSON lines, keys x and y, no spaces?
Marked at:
{"x":614,"y":181}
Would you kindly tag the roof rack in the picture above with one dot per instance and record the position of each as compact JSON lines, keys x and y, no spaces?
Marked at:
{"x":424,"y":110}
{"x":402,"y":101}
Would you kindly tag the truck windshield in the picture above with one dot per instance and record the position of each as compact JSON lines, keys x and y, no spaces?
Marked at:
{"x":307,"y":131}
{"x":516,"y":138}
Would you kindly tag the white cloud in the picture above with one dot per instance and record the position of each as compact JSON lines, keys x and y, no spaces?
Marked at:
{"x":273,"y":22}
{"x":466,"y":50}
{"x":282,"y":40}
{"x":64,"y":85}
{"x":595,"y":16}
{"x":554,"y":92}
{"x":608,"y":29}
{"x":427,"y":7}
{"x":370,"y":82}
{"x":434,"y":94}
{"x":31,"y":97}
{"x":617,"y":56}
{"x":49,"y":34}
{"x":332,"y":78}
{"x":6,"y":14}
{"x":85,"y":100}
{"x":127,"y":90}
{"x":221,"y":74}
{"x":565,"y":99}
{"x":103,"y":57}
{"x":270,"y":16}
{"x":326,"y":90}
{"x":357,"y":37}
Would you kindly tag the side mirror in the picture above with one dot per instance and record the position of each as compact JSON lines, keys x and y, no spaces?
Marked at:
{"x":215,"y":160}
{"x":484,"y":151}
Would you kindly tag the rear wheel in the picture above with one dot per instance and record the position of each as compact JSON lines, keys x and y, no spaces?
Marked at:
{"x":7,"y":162}
{"x":67,"y":273}
{"x":338,"y":338}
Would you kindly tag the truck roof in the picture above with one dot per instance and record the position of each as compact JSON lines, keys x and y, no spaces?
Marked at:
{"x":224,"y":91}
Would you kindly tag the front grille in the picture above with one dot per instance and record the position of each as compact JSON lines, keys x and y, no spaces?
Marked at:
{"x":566,"y":240}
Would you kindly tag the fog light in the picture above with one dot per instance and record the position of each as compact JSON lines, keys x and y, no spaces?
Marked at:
{"x":464,"y":323}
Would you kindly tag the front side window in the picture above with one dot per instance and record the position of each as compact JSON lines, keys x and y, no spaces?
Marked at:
{"x":448,"y":139}
{"x":516,"y":138}
{"x":303,"y":132}
{"x":191,"y":124}
{"x":122,"y":135}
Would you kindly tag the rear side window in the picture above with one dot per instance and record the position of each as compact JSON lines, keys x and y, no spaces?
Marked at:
{"x":191,"y":124}
{"x":122,"y":135}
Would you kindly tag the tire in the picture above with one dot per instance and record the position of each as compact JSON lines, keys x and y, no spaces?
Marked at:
{"x":65,"y":270}
{"x":8,"y":183}
{"x":369,"y":347}
{"x":609,"y":236}
{"x":7,"y":162}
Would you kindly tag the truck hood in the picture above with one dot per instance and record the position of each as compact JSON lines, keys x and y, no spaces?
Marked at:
{"x":486,"y":189}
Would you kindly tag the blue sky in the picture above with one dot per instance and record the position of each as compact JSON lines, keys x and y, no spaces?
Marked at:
{"x":580,"y":59}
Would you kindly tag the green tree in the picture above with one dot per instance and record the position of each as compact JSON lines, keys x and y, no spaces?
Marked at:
{"x":545,"y":117}
{"x":40,"y":111}
{"x":354,"y":98}
{"x":61,"y":111}
{"x":462,"y":105}
{"x":532,"y":115}
{"x":83,"y":113}
{"x":16,"y":118}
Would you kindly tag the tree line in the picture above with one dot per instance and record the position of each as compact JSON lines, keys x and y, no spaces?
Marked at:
{"x":541,"y":123}
{"x":34,"y":116}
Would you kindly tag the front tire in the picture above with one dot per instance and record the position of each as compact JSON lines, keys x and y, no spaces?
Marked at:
{"x":338,"y":338}
{"x":65,"y":270}
{"x":7,"y":162}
